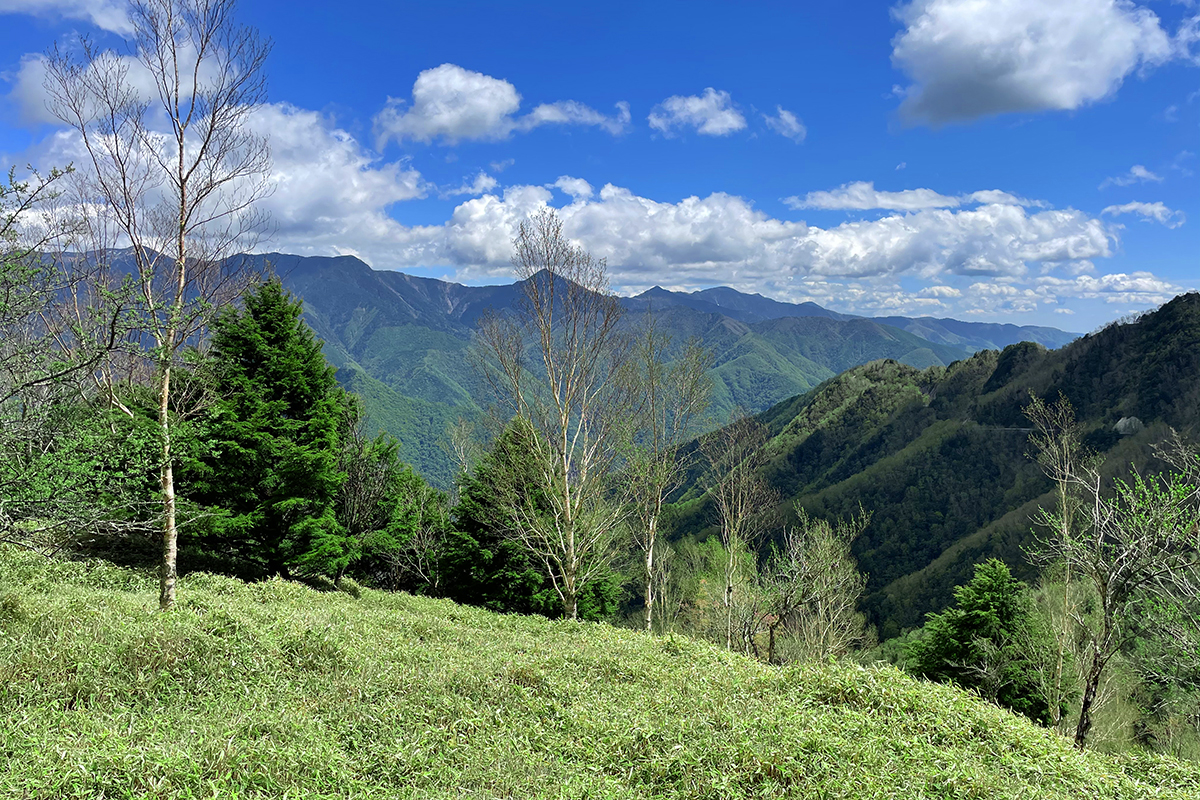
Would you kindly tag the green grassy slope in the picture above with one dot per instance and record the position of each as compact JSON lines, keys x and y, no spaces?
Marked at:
{"x":274,"y":690}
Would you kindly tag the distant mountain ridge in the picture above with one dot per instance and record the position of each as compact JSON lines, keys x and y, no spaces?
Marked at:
{"x":403,"y":341}
{"x":972,"y":336}
{"x":939,"y":457}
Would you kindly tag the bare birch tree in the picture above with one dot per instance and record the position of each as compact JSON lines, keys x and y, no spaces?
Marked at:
{"x":1127,"y":540}
{"x":175,"y":174}
{"x":741,"y":499}
{"x":674,"y":393}
{"x":577,"y":395}
{"x":813,"y":587}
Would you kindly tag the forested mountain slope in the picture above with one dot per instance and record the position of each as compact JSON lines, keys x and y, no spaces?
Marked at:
{"x":403,"y":343}
{"x":939,"y":456}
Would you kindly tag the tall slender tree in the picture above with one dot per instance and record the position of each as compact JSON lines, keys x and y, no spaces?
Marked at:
{"x":173,"y":173}
{"x":740,"y":498}
{"x":676,"y":389}
{"x":578,"y":396}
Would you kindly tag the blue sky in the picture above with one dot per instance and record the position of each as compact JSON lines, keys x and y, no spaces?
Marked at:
{"x":1007,"y":160}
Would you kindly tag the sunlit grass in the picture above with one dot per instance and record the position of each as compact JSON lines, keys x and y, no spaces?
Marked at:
{"x":276,"y":690}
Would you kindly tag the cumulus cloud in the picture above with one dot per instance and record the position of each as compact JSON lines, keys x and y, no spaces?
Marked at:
{"x":27,"y":95}
{"x":1149,"y":211}
{"x":863,"y":196}
{"x":108,"y":15}
{"x":575,"y":188}
{"x":786,"y":124}
{"x":1137,"y":174}
{"x":723,"y":238}
{"x":568,"y":112}
{"x":1137,"y":288}
{"x":973,"y":58}
{"x":452,"y":104}
{"x":711,"y":114}
{"x":330,"y":192}
{"x":481,"y":184}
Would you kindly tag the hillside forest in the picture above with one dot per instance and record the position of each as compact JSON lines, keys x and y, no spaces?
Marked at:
{"x":786,"y":487}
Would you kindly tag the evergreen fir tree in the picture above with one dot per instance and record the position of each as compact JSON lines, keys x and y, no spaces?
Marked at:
{"x":270,"y":473}
{"x":984,"y":642}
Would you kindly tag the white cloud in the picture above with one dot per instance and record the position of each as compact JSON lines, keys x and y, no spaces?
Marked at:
{"x":27,"y":95}
{"x":575,"y":188}
{"x":723,"y":239}
{"x":901,"y":165}
{"x":568,"y":112}
{"x":1149,"y":211}
{"x":710,"y":114}
{"x":1137,"y":174}
{"x":330,"y":193}
{"x":974,"y":58}
{"x":482,"y":184}
{"x":1142,"y":288}
{"x":863,"y":196}
{"x":108,"y":15}
{"x":786,"y":124}
{"x":451,"y":104}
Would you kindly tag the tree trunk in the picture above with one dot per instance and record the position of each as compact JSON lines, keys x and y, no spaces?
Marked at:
{"x":650,"y":576}
{"x":1090,"y":690}
{"x":166,"y":588}
{"x":729,"y":600}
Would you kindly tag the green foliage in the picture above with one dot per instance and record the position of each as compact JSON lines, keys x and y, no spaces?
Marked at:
{"x":485,"y":565}
{"x":940,"y":456}
{"x":272,"y":690}
{"x":269,"y":475}
{"x":985,"y":642}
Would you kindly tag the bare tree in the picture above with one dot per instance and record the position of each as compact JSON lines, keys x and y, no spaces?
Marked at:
{"x":577,"y":395}
{"x":740,"y":497}
{"x":418,"y":558}
{"x":174,"y":174}
{"x":813,"y":587}
{"x":1127,"y":540}
{"x":675,"y":392}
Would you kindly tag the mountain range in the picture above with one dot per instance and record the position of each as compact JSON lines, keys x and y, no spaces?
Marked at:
{"x":939,"y":456}
{"x":403,"y":343}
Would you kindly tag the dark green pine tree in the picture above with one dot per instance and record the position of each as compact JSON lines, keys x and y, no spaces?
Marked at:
{"x":986,"y":642}
{"x":270,"y":471}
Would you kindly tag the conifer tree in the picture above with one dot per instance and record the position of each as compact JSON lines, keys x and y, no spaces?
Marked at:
{"x":272,"y":466}
{"x":982,"y":642}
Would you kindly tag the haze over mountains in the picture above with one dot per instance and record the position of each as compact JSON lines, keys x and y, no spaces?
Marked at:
{"x":402,"y":342}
